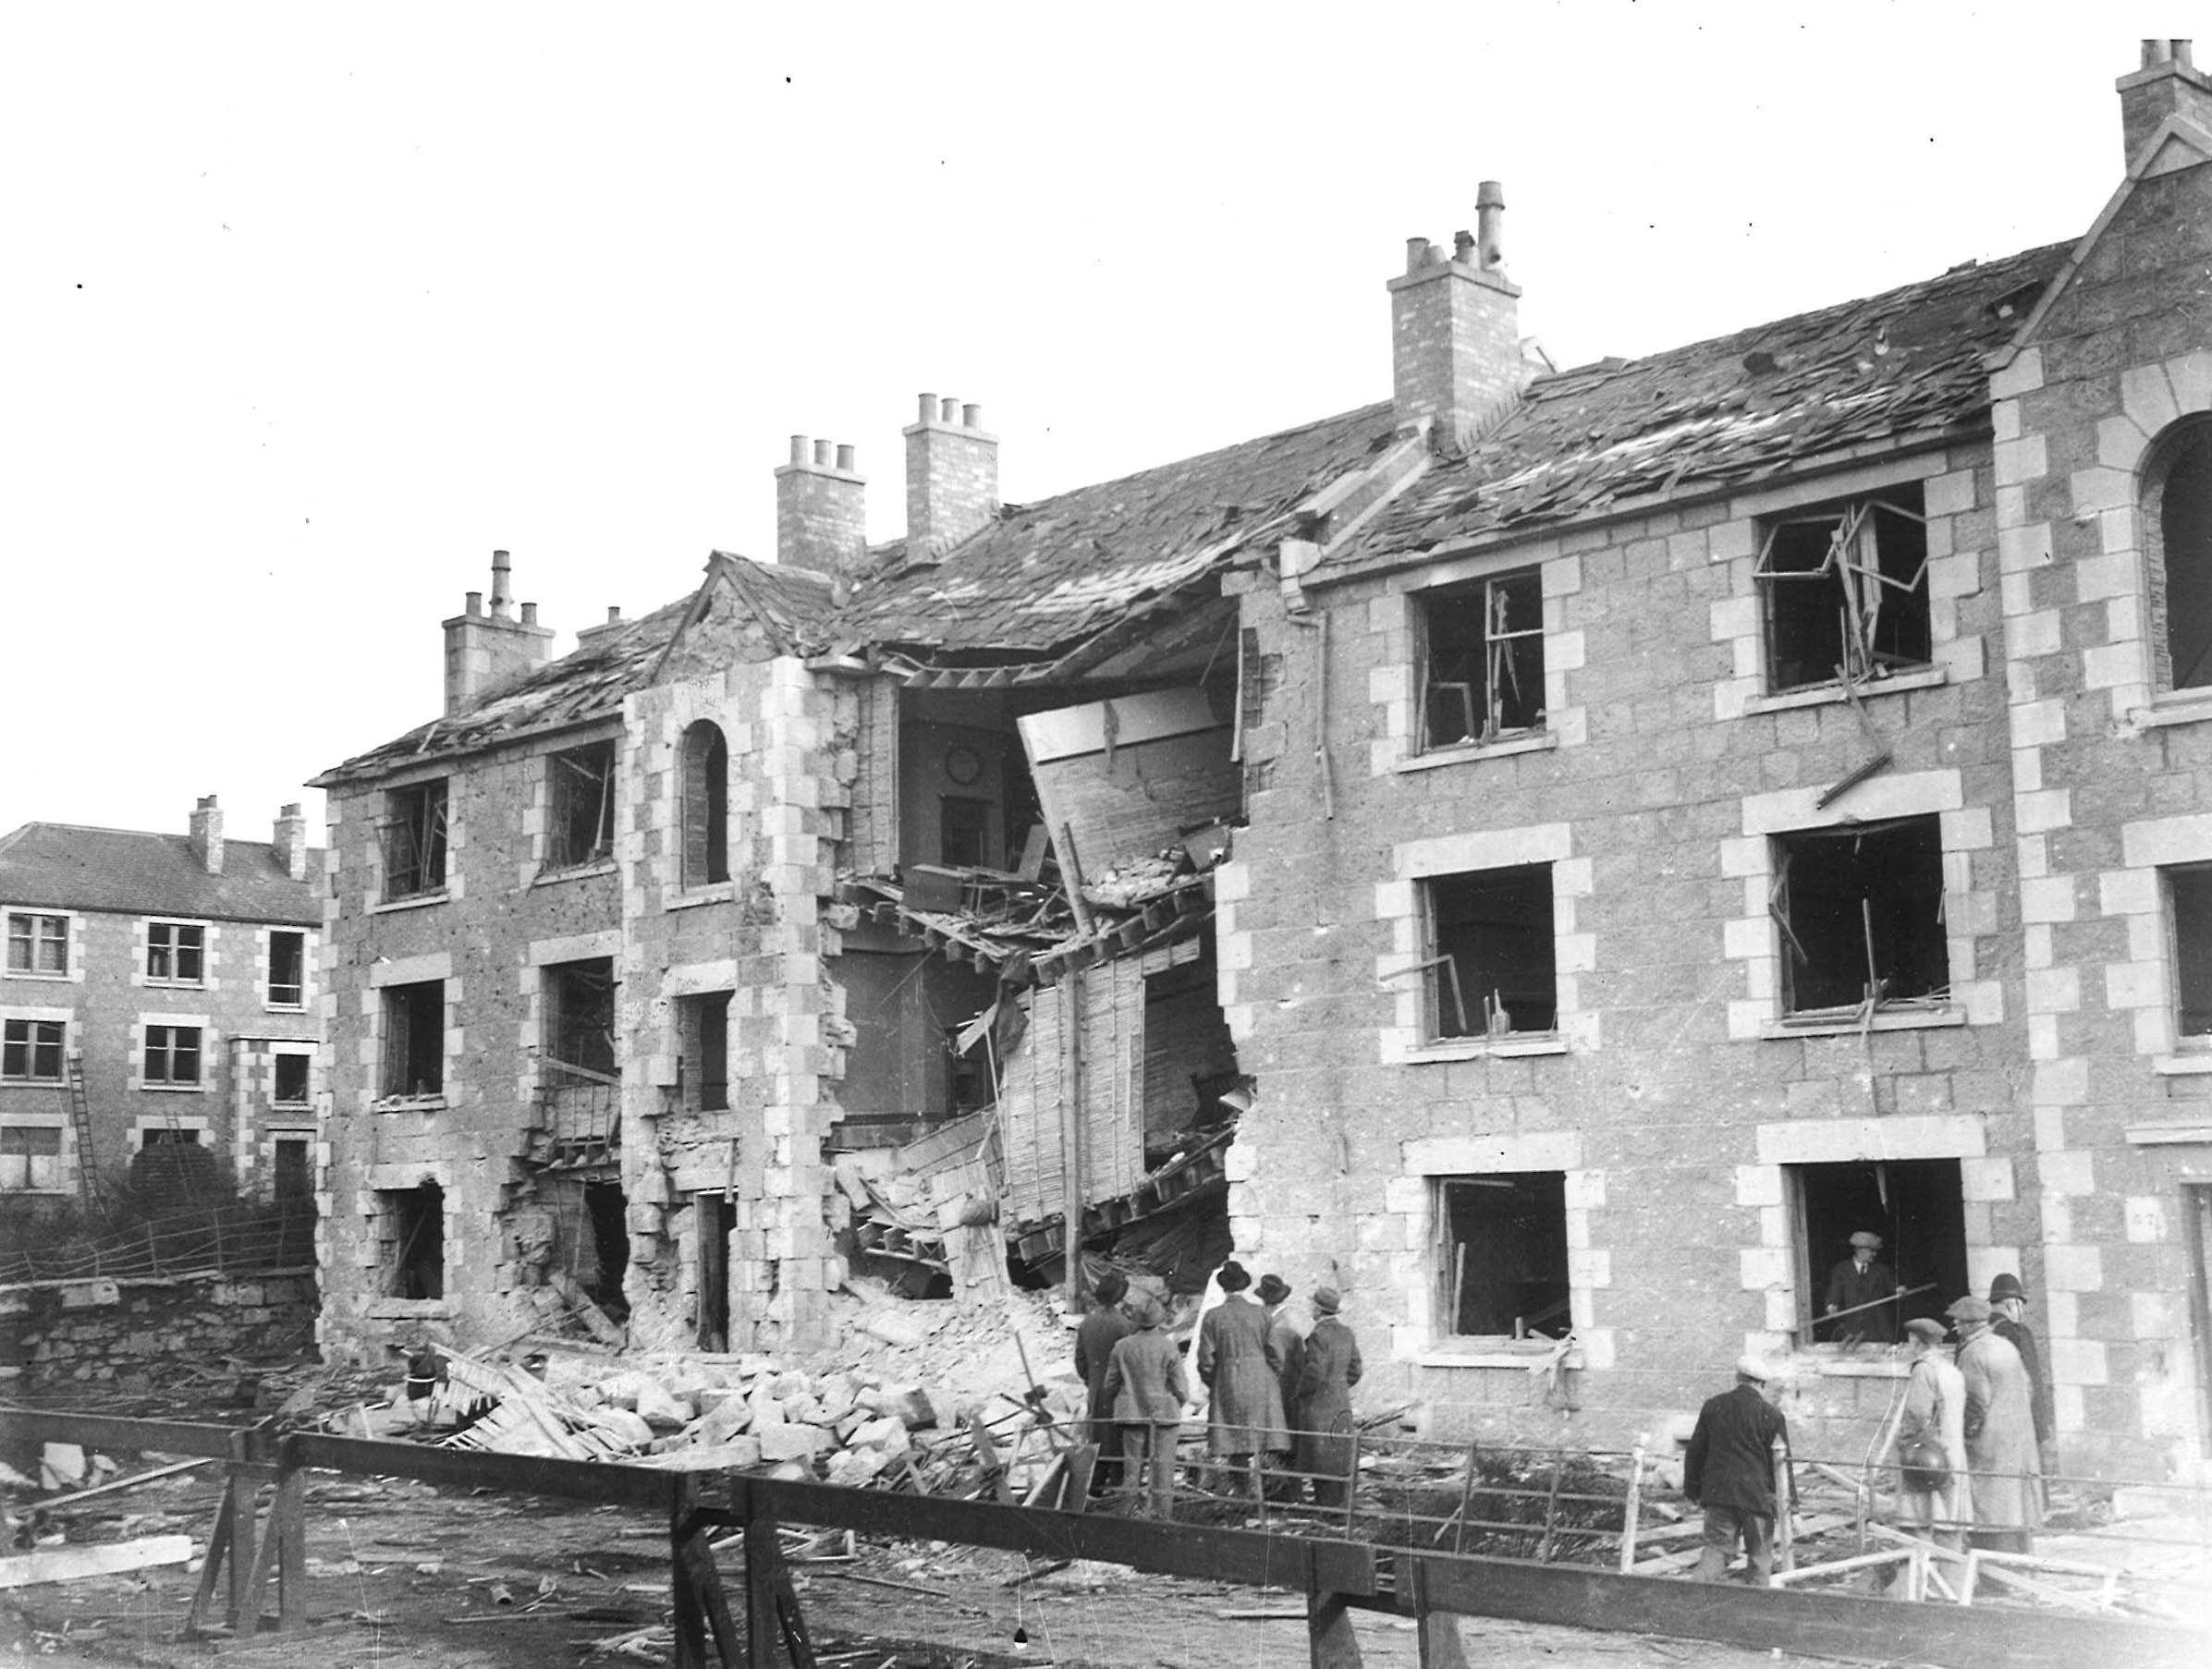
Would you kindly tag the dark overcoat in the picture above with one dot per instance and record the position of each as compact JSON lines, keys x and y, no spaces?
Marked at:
{"x":1730,"y":1460}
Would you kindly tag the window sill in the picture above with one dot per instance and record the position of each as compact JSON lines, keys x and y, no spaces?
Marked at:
{"x":1922,"y":1019}
{"x":1465,"y":753}
{"x":1477,"y":1048}
{"x":30,"y":1083}
{"x":575,"y":871}
{"x":154,"y":984}
{"x":48,"y":975}
{"x":284,"y":1008}
{"x":1817,"y":1363}
{"x":413,"y":901}
{"x":174,"y":1089}
{"x":2178,"y":1132}
{"x":1518,"y":1355}
{"x":407,"y":1103}
{"x":402,"y":1310}
{"x":2181,"y":1065}
{"x":1831,"y":694}
{"x":721,"y":892}
{"x":2173,"y":707}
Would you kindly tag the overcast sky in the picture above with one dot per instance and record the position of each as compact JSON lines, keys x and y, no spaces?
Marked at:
{"x":305,"y":310}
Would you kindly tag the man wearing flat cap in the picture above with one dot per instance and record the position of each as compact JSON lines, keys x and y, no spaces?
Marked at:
{"x":2006,"y":1486}
{"x":1729,"y":1471}
{"x":1862,"y":1280}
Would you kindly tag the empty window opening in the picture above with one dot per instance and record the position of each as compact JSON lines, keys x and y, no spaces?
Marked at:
{"x":705,"y":805}
{"x":964,"y":832}
{"x":1915,"y":1206}
{"x":1189,"y":1058}
{"x":703,"y":1023}
{"x":287,"y":970}
{"x":172,"y":1055}
{"x":175,"y":951}
{"x":2178,"y":523}
{"x":413,"y":837}
{"x":1859,"y":914}
{"x":291,"y":1080}
{"x":38,"y":945}
{"x":716,"y":1221}
{"x":581,"y":820}
{"x":1501,"y":1255}
{"x":2191,"y":891}
{"x":580,"y":1016}
{"x":1846,"y":590}
{"x":1491,"y":969}
{"x":291,"y":1174}
{"x":605,"y":1217}
{"x":30,"y":1050}
{"x":414,"y":1221}
{"x":1482,"y":676}
{"x":30,"y":1156}
{"x":414,"y":1039}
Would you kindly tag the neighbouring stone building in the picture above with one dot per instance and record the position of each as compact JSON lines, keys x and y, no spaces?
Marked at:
{"x":1598,"y":837}
{"x":159,"y":989}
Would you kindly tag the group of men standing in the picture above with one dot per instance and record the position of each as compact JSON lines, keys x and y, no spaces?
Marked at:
{"x":1972,"y":1440}
{"x":1275,"y":1393}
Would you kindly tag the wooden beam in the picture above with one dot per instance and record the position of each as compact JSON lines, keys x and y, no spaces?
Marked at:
{"x":523,"y":1474}
{"x":92,"y":1559}
{"x":110,"y":1432}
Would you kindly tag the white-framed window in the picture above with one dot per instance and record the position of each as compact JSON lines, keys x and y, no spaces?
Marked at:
{"x":176,"y":952}
{"x":1482,"y":660}
{"x":288,"y":968}
{"x":38,"y":945}
{"x":1845,"y":589}
{"x":172,"y":1055}
{"x":294,"y":1074}
{"x":31,"y":1154}
{"x":32,"y":1049}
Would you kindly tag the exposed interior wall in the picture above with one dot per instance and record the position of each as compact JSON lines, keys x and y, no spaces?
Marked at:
{"x":1125,"y":777}
{"x":1110,"y":1034}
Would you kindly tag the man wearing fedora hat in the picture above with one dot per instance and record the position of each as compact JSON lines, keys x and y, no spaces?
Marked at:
{"x":1861,"y":1280}
{"x":2008,"y":1301}
{"x":1238,"y":1364}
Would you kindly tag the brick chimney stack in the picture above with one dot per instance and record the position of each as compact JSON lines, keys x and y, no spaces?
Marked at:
{"x":289,"y":842}
{"x":207,"y":834}
{"x":951,"y":477}
{"x":2167,"y":84}
{"x":486,"y":652}
{"x":821,"y":510}
{"x":1455,"y":329}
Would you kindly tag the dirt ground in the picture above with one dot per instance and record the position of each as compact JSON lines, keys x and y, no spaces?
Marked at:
{"x":402,"y":1573}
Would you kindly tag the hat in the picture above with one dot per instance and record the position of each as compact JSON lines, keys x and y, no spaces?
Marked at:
{"x":2005,"y":1287}
{"x":1112,"y":1287}
{"x":1273,"y":1289}
{"x":1754,"y":1368}
{"x":1234,"y":1276}
{"x":1969,"y":1308}
{"x":1325,"y":1299}
{"x":1864,"y":1237}
{"x":1926,"y":1329}
{"x":1145,"y":1310}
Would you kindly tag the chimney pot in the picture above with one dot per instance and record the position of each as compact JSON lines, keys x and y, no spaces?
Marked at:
{"x":475,"y":604}
{"x":929,"y":408}
{"x":972,"y":417}
{"x":613,"y":613}
{"x":1489,"y":219}
{"x":950,"y":413}
{"x":529,"y":613}
{"x":799,"y":450}
{"x":1462,"y":248}
{"x":1416,"y":253}
{"x":845,"y":458}
{"x":822,"y":452}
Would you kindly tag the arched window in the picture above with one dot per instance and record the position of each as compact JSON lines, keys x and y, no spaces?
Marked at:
{"x":705,"y":805}
{"x":2176,"y":526}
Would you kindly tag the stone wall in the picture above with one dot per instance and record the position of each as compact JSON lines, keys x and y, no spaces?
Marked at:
{"x":136,"y":1335}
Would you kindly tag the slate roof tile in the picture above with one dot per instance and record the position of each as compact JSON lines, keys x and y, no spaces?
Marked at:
{"x":61,"y":866}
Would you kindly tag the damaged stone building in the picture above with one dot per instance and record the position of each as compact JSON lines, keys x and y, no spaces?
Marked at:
{"x":1562,"y":850}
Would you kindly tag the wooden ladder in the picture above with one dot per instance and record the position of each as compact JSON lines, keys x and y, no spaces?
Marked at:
{"x":80,"y":1123}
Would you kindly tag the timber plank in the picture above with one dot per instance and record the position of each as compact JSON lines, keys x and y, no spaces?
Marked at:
{"x":92,"y":1559}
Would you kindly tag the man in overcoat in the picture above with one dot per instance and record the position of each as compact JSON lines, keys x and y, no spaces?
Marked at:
{"x":2005,"y":1482}
{"x":2009,"y":1321}
{"x":1328,"y":1367}
{"x":1238,"y":1363}
{"x":1729,"y":1471}
{"x":1104,"y":1328}
{"x":1144,"y":1383}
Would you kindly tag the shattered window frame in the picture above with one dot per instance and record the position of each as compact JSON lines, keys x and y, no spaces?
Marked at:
{"x":1490,"y":632}
{"x":580,"y":814}
{"x":30,"y":1157}
{"x":1494,"y":978}
{"x":2175,"y":512}
{"x":579,"y":1017}
{"x":1471,"y":1273}
{"x":413,"y":837}
{"x":38,"y":943}
{"x":2188,"y":889}
{"x":1916,"y":1204}
{"x":1843,"y":591}
{"x":176,"y":952}
{"x":1892,"y":950}
{"x":288,"y":993}
{"x":412,"y":1013}
{"x":32,"y":1050}
{"x":173,"y":1056}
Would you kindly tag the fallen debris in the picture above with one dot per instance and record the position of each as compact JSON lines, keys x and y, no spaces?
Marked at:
{"x":68,"y":1563}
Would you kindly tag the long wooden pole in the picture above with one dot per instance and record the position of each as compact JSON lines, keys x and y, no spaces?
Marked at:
{"x":1071,"y":1132}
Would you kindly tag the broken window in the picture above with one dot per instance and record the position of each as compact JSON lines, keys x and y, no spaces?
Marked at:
{"x":581,"y":819}
{"x":1915,"y":1205}
{"x":964,"y":832}
{"x":176,"y":952}
{"x":293,"y":1174}
{"x":1501,"y":1255}
{"x":38,"y":945}
{"x":1483,"y":662}
{"x":413,"y":836}
{"x":716,"y":1217}
{"x":291,"y":1080}
{"x":1491,"y":968}
{"x":705,"y":796}
{"x":287,"y":970}
{"x":580,"y":1015}
{"x":704,"y":1039}
{"x":172,"y":1055}
{"x":414,"y":1039}
{"x":30,"y":1050}
{"x":2177,"y":517}
{"x":1860,"y":913}
{"x":30,"y":1156}
{"x":2191,"y":892}
{"x":1846,"y":590}
{"x":415,"y":1223}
